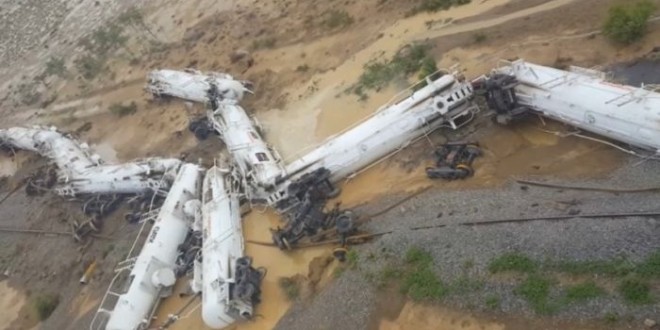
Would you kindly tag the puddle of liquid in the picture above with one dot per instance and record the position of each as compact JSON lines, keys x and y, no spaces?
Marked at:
{"x":11,"y":302}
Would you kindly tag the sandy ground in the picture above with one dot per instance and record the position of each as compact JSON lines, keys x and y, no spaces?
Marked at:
{"x":301,"y":109}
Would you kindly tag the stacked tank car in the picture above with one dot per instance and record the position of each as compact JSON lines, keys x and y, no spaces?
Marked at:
{"x":150,"y":276}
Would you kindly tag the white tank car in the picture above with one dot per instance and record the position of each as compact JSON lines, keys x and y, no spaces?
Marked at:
{"x":585,"y":99}
{"x":224,"y":268}
{"x":152,"y":275}
{"x":192,"y":85}
{"x":80,"y":171}
{"x":387,"y":131}
{"x":258,"y":163}
{"x":69,"y":155}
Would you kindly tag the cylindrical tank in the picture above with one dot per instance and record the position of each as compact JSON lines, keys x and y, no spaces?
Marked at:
{"x":386,"y":131}
{"x":154,"y":267}
{"x":222,"y":245}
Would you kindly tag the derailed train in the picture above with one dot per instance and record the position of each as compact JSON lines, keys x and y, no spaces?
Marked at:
{"x":225,"y":277}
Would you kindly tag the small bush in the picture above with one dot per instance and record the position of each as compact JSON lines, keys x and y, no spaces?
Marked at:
{"x":55,"y":67}
{"x":123,"y":110}
{"x":28,"y":94}
{"x":428,"y":68}
{"x":378,"y":75}
{"x":352,"y":258}
{"x":337,"y":19}
{"x":627,"y":23}
{"x":480,"y":37}
{"x":535,"y":290}
{"x":493,"y":302}
{"x":290,"y":287}
{"x":635,"y":291}
{"x":436,"y":5}
{"x":45,"y":305}
{"x":104,"y":39}
{"x":420,"y":281}
{"x":268,"y":42}
{"x":513,"y":262}
{"x":423,"y":284}
{"x":90,"y":66}
{"x":302,"y":68}
{"x":650,"y":267}
{"x":583,"y":292}
{"x":611,"y":317}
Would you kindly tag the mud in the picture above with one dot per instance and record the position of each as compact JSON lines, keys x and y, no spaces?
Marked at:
{"x":420,"y":316}
{"x":11,"y":303}
{"x":329,"y":109}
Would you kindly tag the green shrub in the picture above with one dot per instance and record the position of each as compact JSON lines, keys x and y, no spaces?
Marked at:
{"x":536,"y":289}
{"x":627,"y":23}
{"x":378,"y":74}
{"x":436,"y":5}
{"x":635,"y":291}
{"x":90,"y":66}
{"x":45,"y":305}
{"x":420,"y":281}
{"x":492,"y":302}
{"x":423,"y":284}
{"x":123,"y":110}
{"x":650,"y":267}
{"x":352,"y":258}
{"x":480,"y":37}
{"x":337,"y":19}
{"x":55,"y":67}
{"x":268,"y":42}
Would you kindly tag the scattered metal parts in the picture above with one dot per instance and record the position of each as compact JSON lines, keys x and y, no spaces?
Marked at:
{"x":41,"y":182}
{"x":454,"y":161}
{"x":304,"y":210}
{"x":89,"y":271}
{"x":201,"y":127}
{"x":248,"y":282}
{"x":501,"y":97}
